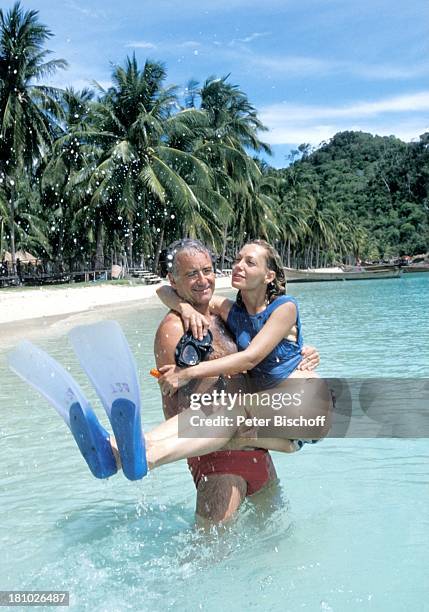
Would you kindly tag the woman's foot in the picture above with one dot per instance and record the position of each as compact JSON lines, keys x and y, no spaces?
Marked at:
{"x":115,"y":452}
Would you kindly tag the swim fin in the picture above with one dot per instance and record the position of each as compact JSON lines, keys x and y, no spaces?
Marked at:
{"x":48,"y":377}
{"x":105,"y":355}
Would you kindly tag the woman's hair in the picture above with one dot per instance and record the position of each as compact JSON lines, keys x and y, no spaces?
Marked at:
{"x":277,"y":286}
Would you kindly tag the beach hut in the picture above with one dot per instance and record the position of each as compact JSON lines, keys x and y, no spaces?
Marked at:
{"x":24,"y":257}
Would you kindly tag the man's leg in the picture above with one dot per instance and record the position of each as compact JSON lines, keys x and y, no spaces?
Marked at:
{"x":219,"y":496}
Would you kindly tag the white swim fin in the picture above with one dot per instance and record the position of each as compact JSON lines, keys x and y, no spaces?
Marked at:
{"x":48,"y":377}
{"x":105,"y":355}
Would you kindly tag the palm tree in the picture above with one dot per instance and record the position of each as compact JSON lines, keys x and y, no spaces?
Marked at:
{"x":27,"y":110}
{"x":140,"y":178}
{"x":233,"y":128}
{"x":68,"y":155}
{"x":323,"y":223}
{"x":294,"y":212}
{"x":29,"y":225}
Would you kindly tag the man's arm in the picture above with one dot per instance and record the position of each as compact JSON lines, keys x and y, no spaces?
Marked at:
{"x":311,"y":358}
{"x":167,"y":336}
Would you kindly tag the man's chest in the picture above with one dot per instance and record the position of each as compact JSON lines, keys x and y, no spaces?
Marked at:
{"x":223,"y":342}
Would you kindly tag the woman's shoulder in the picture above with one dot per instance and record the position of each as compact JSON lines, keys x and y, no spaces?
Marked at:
{"x":279,"y":300}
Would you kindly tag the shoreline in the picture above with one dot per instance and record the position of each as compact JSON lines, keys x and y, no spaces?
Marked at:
{"x":27,"y":305}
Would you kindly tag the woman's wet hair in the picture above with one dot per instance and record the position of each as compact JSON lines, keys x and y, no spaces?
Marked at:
{"x":273,"y":260}
{"x":189,"y":245}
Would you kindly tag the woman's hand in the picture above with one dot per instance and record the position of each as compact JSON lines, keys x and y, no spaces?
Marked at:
{"x":194,"y":320}
{"x":311,"y":358}
{"x":171,"y":379}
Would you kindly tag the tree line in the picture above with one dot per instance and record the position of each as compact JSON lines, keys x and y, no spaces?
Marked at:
{"x":94,"y":177}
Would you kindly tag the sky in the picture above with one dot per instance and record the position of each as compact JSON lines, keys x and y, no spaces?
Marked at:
{"x":312,"y":68}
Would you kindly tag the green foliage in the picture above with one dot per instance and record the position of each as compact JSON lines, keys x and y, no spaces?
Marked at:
{"x":93,"y":178}
{"x":372,"y":190}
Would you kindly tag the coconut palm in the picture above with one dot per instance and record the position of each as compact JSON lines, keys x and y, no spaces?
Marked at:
{"x":140,"y":178}
{"x":233,"y":128}
{"x":27,"y":110}
{"x":294,"y":212}
{"x":322,"y":222}
{"x":68,"y":154}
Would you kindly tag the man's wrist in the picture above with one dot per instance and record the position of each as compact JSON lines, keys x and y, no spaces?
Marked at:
{"x":184,"y":309}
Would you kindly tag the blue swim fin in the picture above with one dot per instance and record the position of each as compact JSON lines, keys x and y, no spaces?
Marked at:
{"x":105,"y":355}
{"x":48,"y":377}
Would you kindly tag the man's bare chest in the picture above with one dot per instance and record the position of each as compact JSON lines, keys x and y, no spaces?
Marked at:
{"x":223,"y":341}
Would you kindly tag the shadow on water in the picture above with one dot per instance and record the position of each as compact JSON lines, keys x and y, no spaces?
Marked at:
{"x":146,"y":551}
{"x":134,"y":544}
{"x":153,"y":526}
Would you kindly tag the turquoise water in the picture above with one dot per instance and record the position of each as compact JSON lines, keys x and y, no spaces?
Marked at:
{"x":347,"y":529}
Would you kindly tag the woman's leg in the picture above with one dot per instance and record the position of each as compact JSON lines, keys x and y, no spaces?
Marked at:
{"x":298,"y":408}
{"x":177,"y":438}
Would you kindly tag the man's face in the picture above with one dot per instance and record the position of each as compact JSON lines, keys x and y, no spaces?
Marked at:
{"x":195,"y":279}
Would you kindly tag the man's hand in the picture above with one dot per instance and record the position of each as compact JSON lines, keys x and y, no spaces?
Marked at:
{"x":245,"y":437}
{"x":171,"y":379}
{"x":311,"y":358}
{"x":195,"y":321}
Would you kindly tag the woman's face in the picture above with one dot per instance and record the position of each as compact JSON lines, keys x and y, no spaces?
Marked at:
{"x":250,"y":268}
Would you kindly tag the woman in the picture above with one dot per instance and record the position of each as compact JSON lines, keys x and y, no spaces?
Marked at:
{"x":267,"y":329}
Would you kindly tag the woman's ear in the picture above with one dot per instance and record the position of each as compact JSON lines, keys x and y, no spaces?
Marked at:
{"x":270,"y":276}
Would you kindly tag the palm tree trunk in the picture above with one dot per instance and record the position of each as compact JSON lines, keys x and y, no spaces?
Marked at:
{"x":60,"y":249}
{"x":1,"y":238}
{"x":99,"y":247}
{"x":12,"y":232}
{"x":159,"y":247}
{"x":288,"y":252}
{"x":130,"y":243}
{"x":224,"y":240}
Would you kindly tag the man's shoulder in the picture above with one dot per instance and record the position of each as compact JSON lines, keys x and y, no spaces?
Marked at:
{"x":168,"y":334}
{"x":171,"y":320}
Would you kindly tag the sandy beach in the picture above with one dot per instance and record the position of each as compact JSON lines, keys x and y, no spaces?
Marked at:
{"x":19,"y":305}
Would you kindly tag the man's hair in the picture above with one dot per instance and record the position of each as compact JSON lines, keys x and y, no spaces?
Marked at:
{"x":188,"y":245}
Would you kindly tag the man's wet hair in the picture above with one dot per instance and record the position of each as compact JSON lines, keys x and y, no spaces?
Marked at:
{"x":188,"y":245}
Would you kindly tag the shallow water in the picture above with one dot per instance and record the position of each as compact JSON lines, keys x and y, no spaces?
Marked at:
{"x":347,"y":529}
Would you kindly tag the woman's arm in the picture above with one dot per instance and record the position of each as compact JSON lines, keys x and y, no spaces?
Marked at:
{"x":221,"y":306}
{"x":274,"y":330}
{"x":192,"y":319}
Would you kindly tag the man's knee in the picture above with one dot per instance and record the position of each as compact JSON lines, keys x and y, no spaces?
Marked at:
{"x":219,"y":496}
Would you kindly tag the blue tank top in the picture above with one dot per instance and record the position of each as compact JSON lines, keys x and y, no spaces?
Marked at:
{"x":283,"y":359}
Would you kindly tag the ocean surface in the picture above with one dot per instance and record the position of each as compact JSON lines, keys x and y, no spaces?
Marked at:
{"x":347,"y":529}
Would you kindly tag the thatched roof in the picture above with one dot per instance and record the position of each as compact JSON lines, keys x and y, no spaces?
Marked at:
{"x":24,"y":257}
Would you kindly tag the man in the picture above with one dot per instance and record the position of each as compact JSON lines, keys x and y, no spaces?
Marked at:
{"x":225,"y":477}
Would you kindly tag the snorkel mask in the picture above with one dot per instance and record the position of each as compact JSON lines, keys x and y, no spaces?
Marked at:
{"x":190,"y":350}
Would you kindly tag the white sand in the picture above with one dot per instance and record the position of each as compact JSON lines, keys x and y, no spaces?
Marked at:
{"x":29,"y":304}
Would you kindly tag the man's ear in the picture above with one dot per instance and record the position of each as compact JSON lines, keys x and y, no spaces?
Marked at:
{"x":171,"y":279}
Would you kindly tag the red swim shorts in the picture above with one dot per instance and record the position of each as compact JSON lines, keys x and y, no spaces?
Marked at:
{"x":255,"y":466}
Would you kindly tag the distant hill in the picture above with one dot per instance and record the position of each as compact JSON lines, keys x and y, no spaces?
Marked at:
{"x":380,"y":183}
